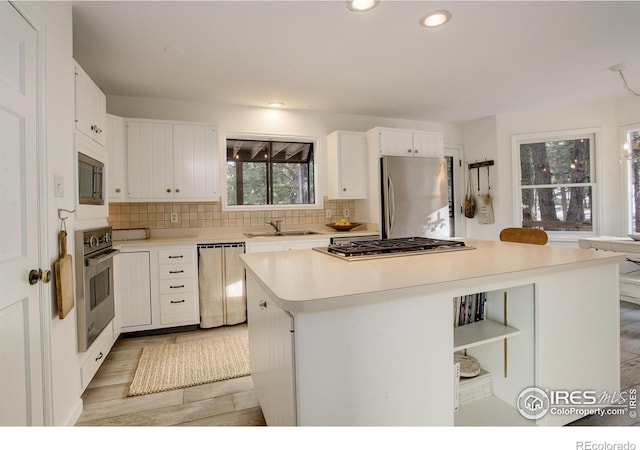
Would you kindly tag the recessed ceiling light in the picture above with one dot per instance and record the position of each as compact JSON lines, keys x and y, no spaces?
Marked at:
{"x":435,"y":18}
{"x":361,"y":5}
{"x":275,"y":104}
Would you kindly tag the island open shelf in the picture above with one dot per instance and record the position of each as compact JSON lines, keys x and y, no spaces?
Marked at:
{"x":479,"y":333}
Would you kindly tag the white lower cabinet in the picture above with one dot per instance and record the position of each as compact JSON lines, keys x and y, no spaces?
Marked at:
{"x":156,"y":288}
{"x":132,"y":283}
{"x":177,"y":271}
{"x":271,"y":354}
{"x":95,"y":356}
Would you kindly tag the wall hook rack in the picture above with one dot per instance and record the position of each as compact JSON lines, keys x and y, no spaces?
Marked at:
{"x":61,"y":210}
{"x":477,"y":165}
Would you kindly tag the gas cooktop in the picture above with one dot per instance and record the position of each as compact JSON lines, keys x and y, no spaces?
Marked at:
{"x":384,"y":248}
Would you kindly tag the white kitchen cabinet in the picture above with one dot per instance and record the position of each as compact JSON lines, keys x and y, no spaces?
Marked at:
{"x":92,"y":359}
{"x":116,"y":154}
{"x":91,"y":107}
{"x":283,"y":244}
{"x":271,"y":356}
{"x":177,"y":272}
{"x":171,"y":161}
{"x":132,"y":285}
{"x":412,"y":143}
{"x":156,"y":287}
{"x":346,"y":165}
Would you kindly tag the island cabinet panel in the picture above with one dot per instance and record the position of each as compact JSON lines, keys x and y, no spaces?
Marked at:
{"x":387,"y":363}
{"x":578,"y":338}
{"x":271,"y":356}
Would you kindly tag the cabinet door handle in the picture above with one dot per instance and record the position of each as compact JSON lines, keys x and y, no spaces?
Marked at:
{"x":176,"y":271}
{"x":262,"y":304}
{"x":409,"y":151}
{"x":168,"y":190}
{"x":178,"y":301}
{"x":176,"y":287}
{"x":177,"y":190}
{"x":99,"y":357}
{"x":176,"y":256}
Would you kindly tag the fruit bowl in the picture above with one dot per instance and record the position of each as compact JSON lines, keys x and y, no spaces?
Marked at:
{"x":343,"y":227}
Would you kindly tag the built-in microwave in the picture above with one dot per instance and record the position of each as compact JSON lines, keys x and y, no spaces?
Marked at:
{"x":90,"y":180}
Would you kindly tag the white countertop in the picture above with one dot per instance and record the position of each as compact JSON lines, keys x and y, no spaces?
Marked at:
{"x":307,"y":280}
{"x":173,"y":237}
{"x":611,"y":243}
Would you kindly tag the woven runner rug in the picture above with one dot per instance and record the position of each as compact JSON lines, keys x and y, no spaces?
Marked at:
{"x":176,"y":366}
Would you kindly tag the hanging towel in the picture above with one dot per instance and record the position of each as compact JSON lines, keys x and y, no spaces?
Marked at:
{"x":221,"y":282}
{"x":235,"y":296}
{"x":210,"y":282}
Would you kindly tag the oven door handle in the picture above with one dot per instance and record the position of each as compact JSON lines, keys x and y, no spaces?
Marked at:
{"x":94,"y":261}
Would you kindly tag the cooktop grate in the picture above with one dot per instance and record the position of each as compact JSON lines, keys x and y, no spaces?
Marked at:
{"x":394,"y":245}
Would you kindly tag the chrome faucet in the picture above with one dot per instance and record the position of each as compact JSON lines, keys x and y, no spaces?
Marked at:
{"x":276,"y":225}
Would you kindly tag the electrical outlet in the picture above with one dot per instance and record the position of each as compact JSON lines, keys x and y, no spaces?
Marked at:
{"x":174,"y":217}
{"x":346,"y":212}
{"x":327,"y":214}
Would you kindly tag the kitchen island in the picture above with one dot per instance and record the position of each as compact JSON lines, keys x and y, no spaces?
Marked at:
{"x":372,"y":342}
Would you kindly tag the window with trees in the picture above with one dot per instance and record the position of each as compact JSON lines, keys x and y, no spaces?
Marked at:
{"x":557,"y":183}
{"x":632,"y":155}
{"x":266,"y":172}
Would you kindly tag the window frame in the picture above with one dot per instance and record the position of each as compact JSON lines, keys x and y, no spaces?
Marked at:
{"x":627,"y":188}
{"x":594,"y":134}
{"x":318,"y":204}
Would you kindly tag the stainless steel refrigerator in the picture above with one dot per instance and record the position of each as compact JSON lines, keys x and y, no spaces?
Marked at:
{"x":415,"y":199}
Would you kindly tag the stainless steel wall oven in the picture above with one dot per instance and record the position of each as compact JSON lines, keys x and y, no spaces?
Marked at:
{"x":94,"y":283}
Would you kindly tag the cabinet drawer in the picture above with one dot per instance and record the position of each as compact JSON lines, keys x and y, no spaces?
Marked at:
{"x":177,"y":286}
{"x":97,"y":354}
{"x":181,"y":308}
{"x":171,"y":271}
{"x":177,"y":255}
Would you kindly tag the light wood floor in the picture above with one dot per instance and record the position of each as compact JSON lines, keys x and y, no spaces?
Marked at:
{"x":225,"y":403}
{"x":234,"y":403}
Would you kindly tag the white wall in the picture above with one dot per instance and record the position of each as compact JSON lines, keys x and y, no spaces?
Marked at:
{"x":491,"y":139}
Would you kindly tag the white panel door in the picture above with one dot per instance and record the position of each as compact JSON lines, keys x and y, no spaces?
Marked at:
{"x":396,"y":143}
{"x":353,"y":165}
{"x":133,"y":289}
{"x":150,"y":161}
{"x":195,"y":165}
{"x":20,"y":339}
{"x":428,"y":145}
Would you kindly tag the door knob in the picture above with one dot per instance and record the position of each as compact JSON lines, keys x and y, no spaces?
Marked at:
{"x":39,"y":275}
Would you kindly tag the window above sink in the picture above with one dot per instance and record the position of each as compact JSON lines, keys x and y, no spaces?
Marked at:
{"x":268,"y":172}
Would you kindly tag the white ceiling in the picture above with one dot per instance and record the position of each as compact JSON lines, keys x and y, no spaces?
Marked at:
{"x":492,"y":57}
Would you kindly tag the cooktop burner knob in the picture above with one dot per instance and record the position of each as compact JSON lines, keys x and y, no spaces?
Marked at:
{"x":107,"y":237}
{"x":93,"y":241}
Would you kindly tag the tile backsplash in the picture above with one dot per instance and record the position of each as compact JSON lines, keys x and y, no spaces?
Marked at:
{"x":157,"y":215}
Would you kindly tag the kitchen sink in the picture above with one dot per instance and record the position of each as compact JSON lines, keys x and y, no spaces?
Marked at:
{"x":262,"y":234}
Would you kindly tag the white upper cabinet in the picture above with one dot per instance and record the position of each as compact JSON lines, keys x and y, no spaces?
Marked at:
{"x":395,"y":142}
{"x":346,"y":165}
{"x":91,"y":107}
{"x":171,"y":161}
{"x":117,"y":158}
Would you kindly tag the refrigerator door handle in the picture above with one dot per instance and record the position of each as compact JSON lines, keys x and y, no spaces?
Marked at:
{"x":391,"y":205}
